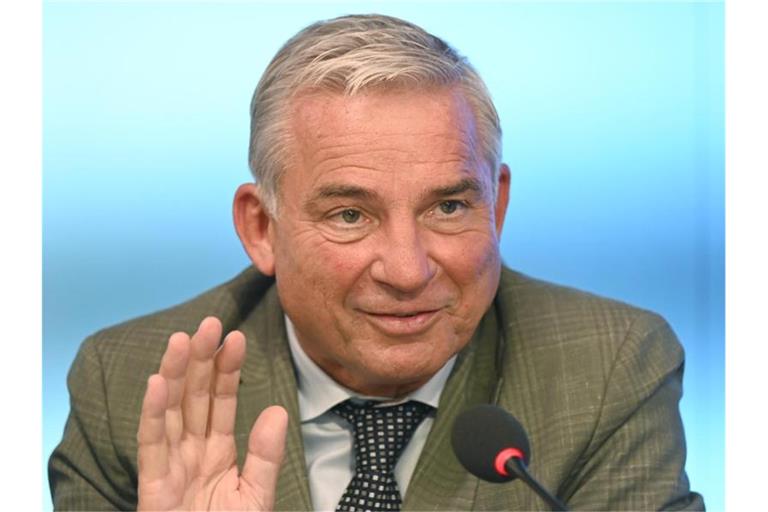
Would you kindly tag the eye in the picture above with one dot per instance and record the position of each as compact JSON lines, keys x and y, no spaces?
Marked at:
{"x":449,"y":207}
{"x":450,"y":215}
{"x":347,"y":224}
{"x":350,"y":216}
{"x":348,"y":219}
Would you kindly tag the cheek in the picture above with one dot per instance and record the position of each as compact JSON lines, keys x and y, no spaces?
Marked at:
{"x":342,"y":263}
{"x":473,"y":266}
{"x":332,"y":269}
{"x":470,"y":258}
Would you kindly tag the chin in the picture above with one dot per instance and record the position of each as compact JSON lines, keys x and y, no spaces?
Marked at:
{"x":403,"y":366}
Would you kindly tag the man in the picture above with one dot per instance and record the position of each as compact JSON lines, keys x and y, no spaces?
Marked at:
{"x":378,"y":298}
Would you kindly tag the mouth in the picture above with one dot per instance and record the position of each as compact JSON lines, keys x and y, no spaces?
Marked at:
{"x":402,"y":323}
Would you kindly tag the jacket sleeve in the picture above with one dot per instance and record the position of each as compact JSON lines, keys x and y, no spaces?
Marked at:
{"x":636,"y":457}
{"x":85,"y":471}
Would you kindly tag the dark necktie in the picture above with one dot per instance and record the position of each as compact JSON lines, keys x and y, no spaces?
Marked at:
{"x":380,"y":435}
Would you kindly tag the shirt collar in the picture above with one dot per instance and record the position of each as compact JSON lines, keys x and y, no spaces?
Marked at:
{"x":318,"y":392}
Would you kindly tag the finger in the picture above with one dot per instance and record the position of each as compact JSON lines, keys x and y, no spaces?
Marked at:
{"x":197,"y":384}
{"x":266,"y":446}
{"x":229,"y":359}
{"x":153,"y":446}
{"x":173,"y":367}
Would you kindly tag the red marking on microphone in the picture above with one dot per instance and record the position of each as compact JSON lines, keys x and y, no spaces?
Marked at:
{"x":502,"y":458}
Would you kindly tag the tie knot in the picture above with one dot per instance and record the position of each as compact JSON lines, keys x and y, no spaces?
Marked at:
{"x":381,"y":433}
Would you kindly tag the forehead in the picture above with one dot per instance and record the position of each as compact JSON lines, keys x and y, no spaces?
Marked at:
{"x":384,"y":124}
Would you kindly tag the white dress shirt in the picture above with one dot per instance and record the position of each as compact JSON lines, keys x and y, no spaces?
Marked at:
{"x":328,"y":438}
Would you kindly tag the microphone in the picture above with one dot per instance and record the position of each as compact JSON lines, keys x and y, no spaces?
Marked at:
{"x":492,"y":445}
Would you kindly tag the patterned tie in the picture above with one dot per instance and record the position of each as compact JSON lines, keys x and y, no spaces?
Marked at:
{"x":380,"y":434}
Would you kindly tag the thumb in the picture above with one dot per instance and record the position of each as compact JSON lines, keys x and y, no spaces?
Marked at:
{"x":266,"y":447}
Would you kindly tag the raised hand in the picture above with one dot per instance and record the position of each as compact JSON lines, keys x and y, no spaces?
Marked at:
{"x":187,"y":454}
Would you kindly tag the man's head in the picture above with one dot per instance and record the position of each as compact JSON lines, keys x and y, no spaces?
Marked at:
{"x":348,"y":55}
{"x":387,"y":199}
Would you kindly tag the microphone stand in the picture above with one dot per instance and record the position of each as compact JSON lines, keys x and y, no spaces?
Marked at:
{"x":517,"y":467}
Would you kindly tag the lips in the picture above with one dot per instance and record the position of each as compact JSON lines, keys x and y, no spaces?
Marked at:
{"x":402,"y":323}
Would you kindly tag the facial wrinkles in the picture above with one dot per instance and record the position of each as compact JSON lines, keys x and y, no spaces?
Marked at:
{"x":394,"y":185}
{"x":384,"y":155}
{"x":397,"y":211}
{"x":317,"y":126}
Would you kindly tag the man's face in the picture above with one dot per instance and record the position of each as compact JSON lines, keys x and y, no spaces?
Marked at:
{"x":386,"y":241}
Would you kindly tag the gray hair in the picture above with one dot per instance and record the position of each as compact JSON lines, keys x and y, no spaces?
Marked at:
{"x":353,"y":53}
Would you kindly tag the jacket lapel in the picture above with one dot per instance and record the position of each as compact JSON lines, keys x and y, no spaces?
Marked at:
{"x":268,"y":378}
{"x":439,"y":481}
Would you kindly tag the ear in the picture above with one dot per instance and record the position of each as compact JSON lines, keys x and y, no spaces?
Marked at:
{"x":502,"y":197}
{"x":255,"y":227}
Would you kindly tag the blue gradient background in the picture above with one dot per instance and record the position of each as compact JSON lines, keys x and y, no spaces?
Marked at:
{"x":613,"y":127}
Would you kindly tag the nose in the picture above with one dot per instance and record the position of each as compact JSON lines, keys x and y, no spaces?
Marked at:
{"x":403,"y":263}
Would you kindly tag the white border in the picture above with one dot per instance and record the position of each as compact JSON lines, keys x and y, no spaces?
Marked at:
{"x":746,"y":254}
{"x":20,"y":267}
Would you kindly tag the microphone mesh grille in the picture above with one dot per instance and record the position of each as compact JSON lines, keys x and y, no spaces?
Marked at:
{"x":480,"y":433}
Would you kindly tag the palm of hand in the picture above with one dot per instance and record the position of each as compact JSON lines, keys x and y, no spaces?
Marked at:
{"x":187,"y":454}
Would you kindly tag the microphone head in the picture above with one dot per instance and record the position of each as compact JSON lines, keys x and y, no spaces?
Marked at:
{"x":481,"y":433}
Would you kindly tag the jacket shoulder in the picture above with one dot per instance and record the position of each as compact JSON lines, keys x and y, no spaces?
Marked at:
{"x":94,"y":466}
{"x":548,"y":312}
{"x":231,"y":302}
{"x":121,"y":358}
{"x":593,"y":380}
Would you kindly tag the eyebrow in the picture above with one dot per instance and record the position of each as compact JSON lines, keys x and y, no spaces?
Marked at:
{"x":344,"y":191}
{"x":465,"y":185}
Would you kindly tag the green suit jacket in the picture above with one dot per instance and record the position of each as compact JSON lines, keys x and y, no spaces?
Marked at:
{"x":596,"y":384}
